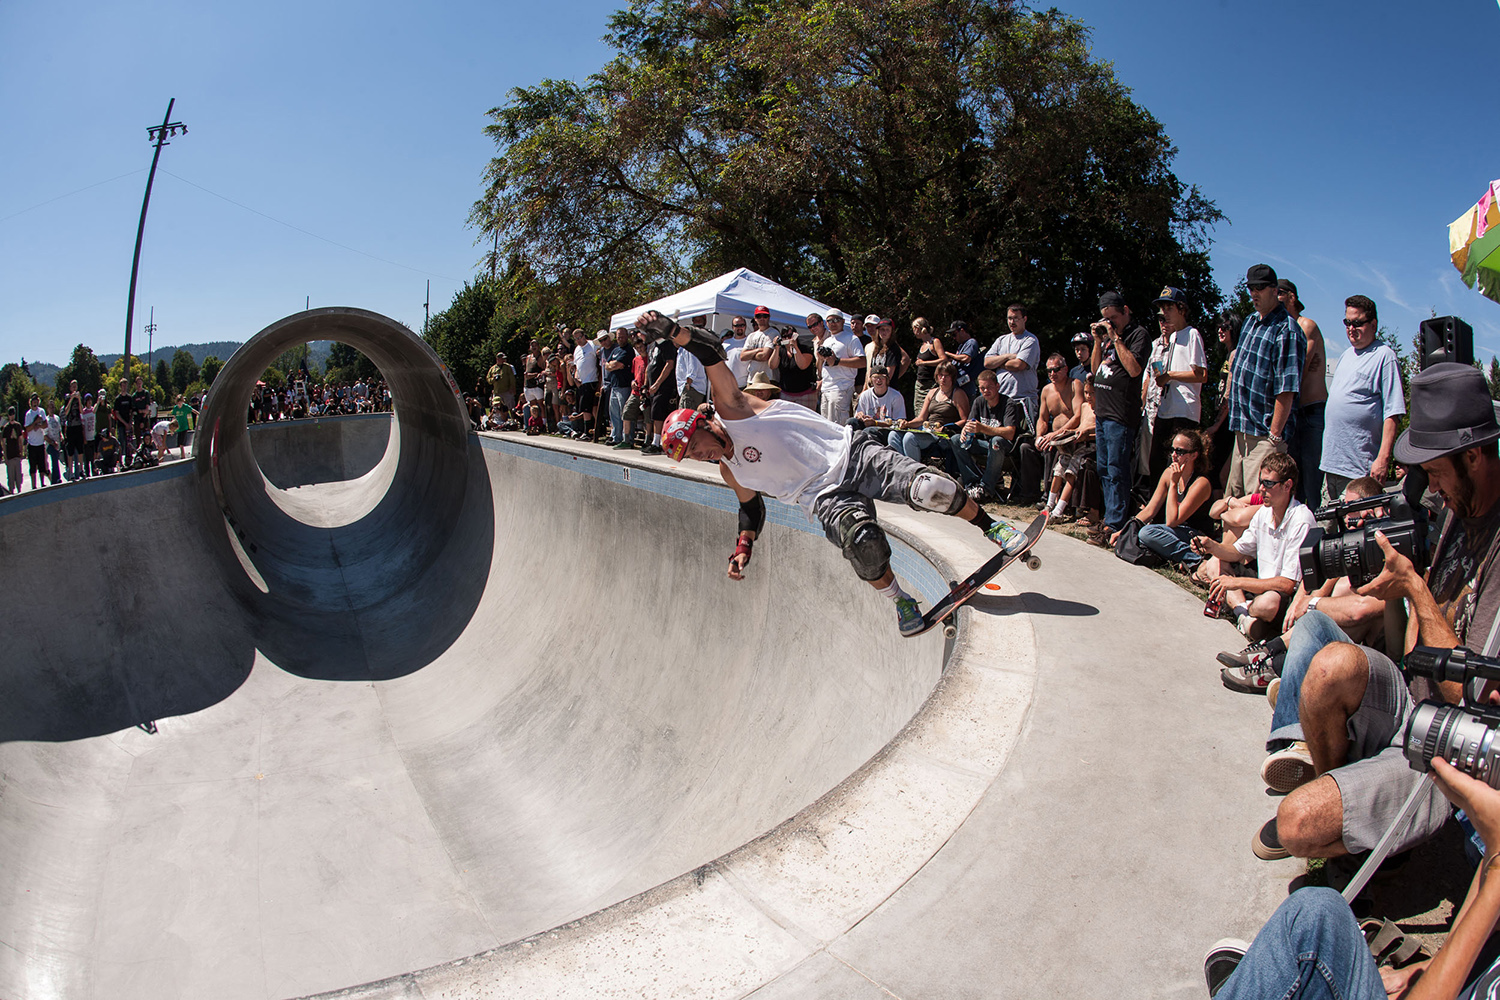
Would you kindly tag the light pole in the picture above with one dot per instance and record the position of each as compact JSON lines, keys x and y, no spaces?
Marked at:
{"x":150,"y":333}
{"x":158,"y":134}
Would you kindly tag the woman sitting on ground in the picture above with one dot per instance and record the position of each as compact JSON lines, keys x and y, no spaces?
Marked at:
{"x":944,"y":405}
{"x":1182,"y":498}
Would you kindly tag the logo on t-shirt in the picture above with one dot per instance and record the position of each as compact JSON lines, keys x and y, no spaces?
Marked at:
{"x":750,"y":453}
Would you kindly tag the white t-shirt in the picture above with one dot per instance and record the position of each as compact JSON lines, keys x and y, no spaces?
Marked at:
{"x":1184,"y":352}
{"x":690,"y":367}
{"x":845,"y":345}
{"x":788,"y":452}
{"x":754,"y":342}
{"x":736,"y":366}
{"x":160,"y":431}
{"x":36,"y":437}
{"x":891,"y":406}
{"x":586,"y":360}
{"x":1275,"y":546}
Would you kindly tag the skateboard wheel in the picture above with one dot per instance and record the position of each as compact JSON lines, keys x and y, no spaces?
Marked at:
{"x":949,"y":631}
{"x":1033,"y":563}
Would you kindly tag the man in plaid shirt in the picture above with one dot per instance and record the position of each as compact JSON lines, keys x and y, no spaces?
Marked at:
{"x":1264,"y":382}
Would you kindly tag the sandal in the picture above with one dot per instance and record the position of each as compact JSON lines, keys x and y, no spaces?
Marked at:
{"x":1389,"y":944}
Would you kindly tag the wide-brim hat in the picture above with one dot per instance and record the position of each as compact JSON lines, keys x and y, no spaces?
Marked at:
{"x":1451,"y":410}
{"x":760,"y":380}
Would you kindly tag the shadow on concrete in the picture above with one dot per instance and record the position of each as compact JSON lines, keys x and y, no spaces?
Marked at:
{"x":1031,"y":603}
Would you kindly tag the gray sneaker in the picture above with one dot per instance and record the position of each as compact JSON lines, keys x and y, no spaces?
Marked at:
{"x":1253,"y":679}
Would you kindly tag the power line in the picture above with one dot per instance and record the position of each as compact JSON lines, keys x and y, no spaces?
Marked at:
{"x":87,"y":187}
{"x":304,"y":232}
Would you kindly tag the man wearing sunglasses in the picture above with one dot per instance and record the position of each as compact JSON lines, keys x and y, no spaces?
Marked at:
{"x":1365,"y":403}
{"x":1263,"y":383}
{"x":1272,"y":539}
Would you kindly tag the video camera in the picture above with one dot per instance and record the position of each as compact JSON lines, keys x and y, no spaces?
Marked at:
{"x":1346,"y":549}
{"x":1463,"y":735}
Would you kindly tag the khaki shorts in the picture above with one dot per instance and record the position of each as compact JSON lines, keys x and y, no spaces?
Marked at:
{"x":1374,"y":785}
{"x":1249,"y":450}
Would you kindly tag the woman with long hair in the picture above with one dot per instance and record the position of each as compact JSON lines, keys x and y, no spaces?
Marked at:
{"x":1181,"y":498}
{"x":930,"y":354}
{"x":944,"y":405}
{"x":885,"y":352}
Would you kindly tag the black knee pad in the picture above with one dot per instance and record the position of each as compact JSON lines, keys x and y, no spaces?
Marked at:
{"x":933,"y":490}
{"x":865,"y":546}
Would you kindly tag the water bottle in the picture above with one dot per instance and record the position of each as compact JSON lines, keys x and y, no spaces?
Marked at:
{"x":966,"y":437}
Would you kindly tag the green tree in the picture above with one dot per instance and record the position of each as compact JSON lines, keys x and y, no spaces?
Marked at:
{"x":942,"y":159}
{"x":19,"y":389}
{"x":210,"y":369}
{"x":184,"y":370}
{"x":85,"y":367}
{"x":163,"y":388}
{"x":483,"y":319}
{"x":347,"y":365}
{"x":138,"y":369}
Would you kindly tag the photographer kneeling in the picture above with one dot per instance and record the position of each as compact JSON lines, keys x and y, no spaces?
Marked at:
{"x":1352,"y":702}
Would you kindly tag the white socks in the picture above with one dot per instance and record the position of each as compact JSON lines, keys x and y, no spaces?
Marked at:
{"x":894,"y":591}
{"x":656,"y":440}
{"x":1059,"y":507}
{"x":1051,"y":500}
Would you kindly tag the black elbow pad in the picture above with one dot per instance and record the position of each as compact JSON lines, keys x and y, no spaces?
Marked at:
{"x":752,"y":514}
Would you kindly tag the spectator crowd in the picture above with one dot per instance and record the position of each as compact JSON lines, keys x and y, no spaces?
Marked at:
{"x":1119,"y":437}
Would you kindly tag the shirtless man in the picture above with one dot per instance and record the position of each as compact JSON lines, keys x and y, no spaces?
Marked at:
{"x":1313,"y":398}
{"x":791,"y":453}
{"x":1061,"y":408}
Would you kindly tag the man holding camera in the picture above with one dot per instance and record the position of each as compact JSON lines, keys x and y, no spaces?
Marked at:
{"x":840,"y":357}
{"x":1121,"y":348}
{"x":1351,"y":703}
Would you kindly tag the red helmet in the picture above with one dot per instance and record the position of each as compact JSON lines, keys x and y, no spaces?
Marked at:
{"x":677,"y":431}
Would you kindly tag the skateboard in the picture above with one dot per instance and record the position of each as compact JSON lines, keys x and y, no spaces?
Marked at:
{"x":943,"y":611}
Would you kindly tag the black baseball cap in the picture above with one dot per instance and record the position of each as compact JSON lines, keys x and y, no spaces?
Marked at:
{"x":1111,"y":300}
{"x":1286,"y":285}
{"x":1260,"y":274}
{"x":957,"y":325}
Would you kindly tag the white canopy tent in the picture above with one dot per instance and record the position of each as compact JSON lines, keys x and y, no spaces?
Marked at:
{"x":734,"y":294}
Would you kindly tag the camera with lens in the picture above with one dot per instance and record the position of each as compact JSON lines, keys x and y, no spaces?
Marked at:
{"x":1348,"y":546}
{"x":825,"y":352}
{"x":1463,"y":735}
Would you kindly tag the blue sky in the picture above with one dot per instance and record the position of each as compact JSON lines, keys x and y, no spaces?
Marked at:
{"x":1339,"y":137}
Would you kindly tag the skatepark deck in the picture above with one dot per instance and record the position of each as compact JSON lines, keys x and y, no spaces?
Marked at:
{"x":443,"y":714}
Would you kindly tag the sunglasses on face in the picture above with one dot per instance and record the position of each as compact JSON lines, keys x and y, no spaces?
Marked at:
{"x":1355,"y":324}
{"x":1184,"y":451}
{"x":1270,"y":484}
{"x":1259,"y":287}
{"x":814,"y":323}
{"x":1053,"y":370}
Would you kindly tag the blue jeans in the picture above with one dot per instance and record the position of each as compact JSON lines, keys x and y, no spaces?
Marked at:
{"x":1310,"y":949}
{"x":1309,"y":455}
{"x":618,"y":395}
{"x":1115,"y":453}
{"x":911,"y":443}
{"x":1312,"y":632}
{"x":1172,"y":544}
{"x":52,"y":456}
{"x":966,"y":466}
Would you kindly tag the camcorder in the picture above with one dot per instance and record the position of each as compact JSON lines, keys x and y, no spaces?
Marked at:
{"x":1348,"y":546}
{"x":1463,"y":735}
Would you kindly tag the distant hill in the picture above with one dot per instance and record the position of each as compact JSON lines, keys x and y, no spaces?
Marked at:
{"x":46,"y":374}
{"x":221,"y":349}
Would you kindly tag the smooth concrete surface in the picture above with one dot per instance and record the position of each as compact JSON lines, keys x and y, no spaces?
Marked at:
{"x":598,"y":768}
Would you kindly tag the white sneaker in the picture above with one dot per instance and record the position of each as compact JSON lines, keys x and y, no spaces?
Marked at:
{"x":1288,"y":768}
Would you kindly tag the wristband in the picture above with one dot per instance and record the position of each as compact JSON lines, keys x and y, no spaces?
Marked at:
{"x":742,"y":547}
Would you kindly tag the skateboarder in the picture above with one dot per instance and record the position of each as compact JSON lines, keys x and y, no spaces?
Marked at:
{"x":793,"y":454}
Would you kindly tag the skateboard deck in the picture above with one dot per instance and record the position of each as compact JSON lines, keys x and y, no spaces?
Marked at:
{"x":943,"y":611}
